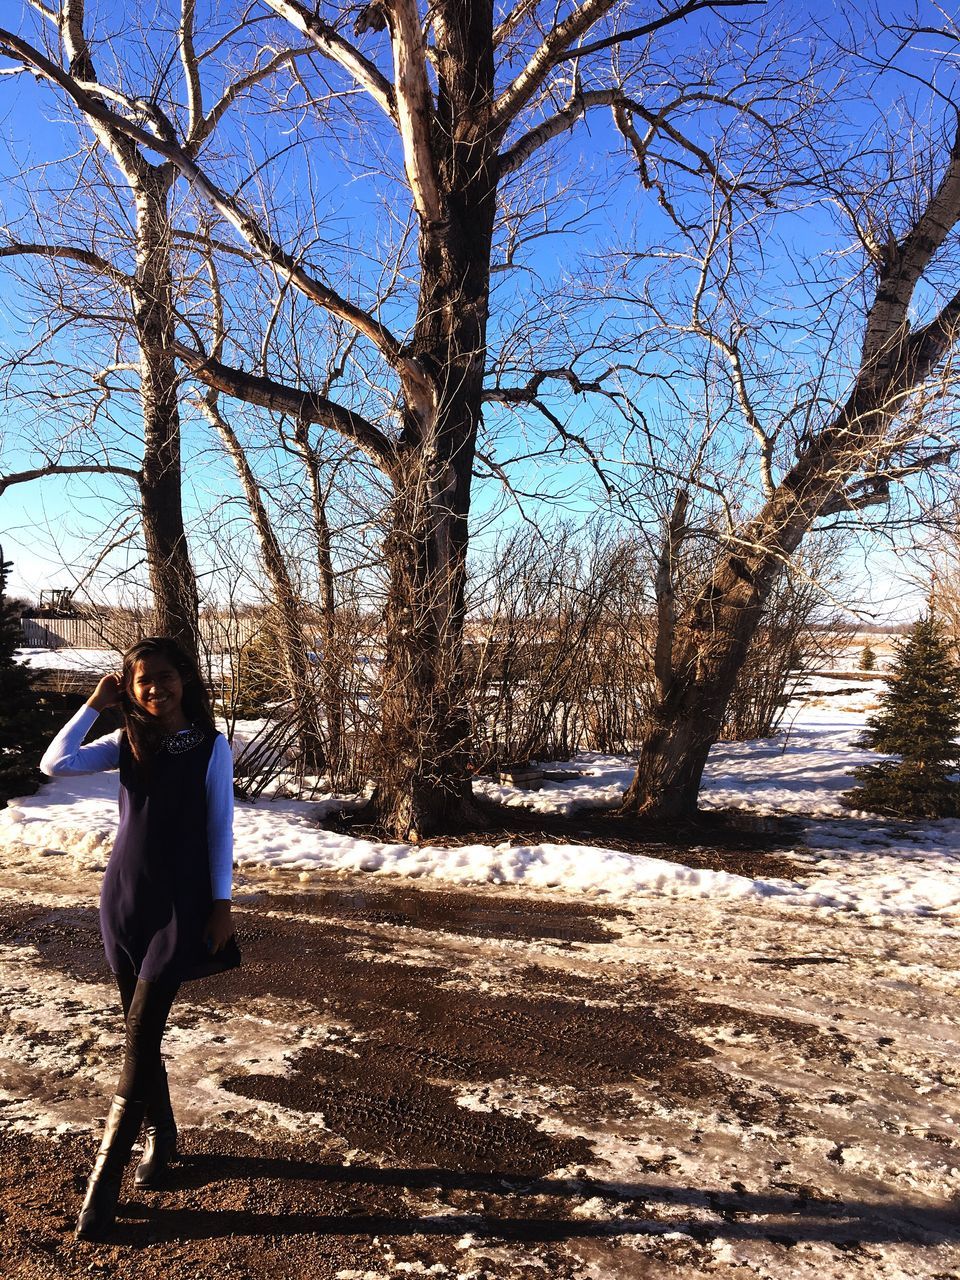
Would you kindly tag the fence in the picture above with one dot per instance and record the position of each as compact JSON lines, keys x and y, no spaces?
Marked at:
{"x":120,"y":633}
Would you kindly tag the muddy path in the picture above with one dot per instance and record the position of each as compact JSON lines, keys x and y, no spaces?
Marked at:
{"x":493,"y":1086}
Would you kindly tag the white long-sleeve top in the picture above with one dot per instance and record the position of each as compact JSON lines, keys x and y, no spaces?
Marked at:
{"x":67,"y":755}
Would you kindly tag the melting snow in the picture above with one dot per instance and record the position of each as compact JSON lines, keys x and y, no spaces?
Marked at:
{"x":856,"y":862}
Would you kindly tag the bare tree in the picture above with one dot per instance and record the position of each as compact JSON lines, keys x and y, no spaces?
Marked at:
{"x":463,"y":135}
{"x":466,"y":107}
{"x":103,"y":105}
{"x":841,"y":401}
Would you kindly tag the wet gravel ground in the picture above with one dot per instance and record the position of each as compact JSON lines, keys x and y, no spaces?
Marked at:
{"x":486,"y":1085}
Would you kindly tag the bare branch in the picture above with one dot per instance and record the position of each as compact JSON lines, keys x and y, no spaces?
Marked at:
{"x":623,"y":107}
{"x":58,"y":469}
{"x":51,"y":15}
{"x":905,"y":264}
{"x":495,"y":396}
{"x":930,"y":344}
{"x":280,"y":398}
{"x":730,"y":348}
{"x":332,"y":45}
{"x":531,"y":388}
{"x":72,"y":253}
{"x":109,"y":123}
{"x":554,"y":46}
{"x":562,"y":122}
{"x":188,"y":60}
{"x":70,"y":22}
{"x":559,"y":46}
{"x":206,"y":241}
{"x":648,"y":28}
{"x":855,"y":500}
{"x":659,"y":122}
{"x":204,"y":126}
{"x":512,"y":20}
{"x":414,"y":106}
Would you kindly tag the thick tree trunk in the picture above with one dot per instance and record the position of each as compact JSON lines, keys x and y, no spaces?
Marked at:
{"x":703,"y":653}
{"x":698,"y":663}
{"x":682,"y":729}
{"x":423,"y":779}
{"x":171,"y":572}
{"x":423,"y":782}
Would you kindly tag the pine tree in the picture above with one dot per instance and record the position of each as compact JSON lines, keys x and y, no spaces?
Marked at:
{"x":868,"y":657}
{"x":23,"y":728}
{"x":918,"y":720}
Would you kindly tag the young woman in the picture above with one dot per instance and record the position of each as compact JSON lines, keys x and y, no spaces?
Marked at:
{"x":165,"y":897}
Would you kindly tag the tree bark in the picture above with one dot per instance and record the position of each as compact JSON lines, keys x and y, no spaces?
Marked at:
{"x":423,"y":783}
{"x":711,"y":645}
{"x":171,"y":572}
{"x":423,"y":780}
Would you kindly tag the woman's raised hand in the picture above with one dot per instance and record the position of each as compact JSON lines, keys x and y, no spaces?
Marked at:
{"x":106,"y":694}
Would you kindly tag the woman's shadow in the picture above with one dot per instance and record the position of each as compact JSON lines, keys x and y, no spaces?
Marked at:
{"x":645,"y":1208}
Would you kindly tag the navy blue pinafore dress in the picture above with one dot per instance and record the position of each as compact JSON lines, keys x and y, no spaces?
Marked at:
{"x":155,"y":899}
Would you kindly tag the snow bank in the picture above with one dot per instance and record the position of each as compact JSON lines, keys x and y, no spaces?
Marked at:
{"x":854,"y":862}
{"x":76,"y":817}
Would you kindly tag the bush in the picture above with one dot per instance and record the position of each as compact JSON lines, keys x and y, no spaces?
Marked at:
{"x":774,"y":668}
{"x":259,"y":677}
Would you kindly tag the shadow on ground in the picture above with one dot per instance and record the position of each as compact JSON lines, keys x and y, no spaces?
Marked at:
{"x":634,"y":1207}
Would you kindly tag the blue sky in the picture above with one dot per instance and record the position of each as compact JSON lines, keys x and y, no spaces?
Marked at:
{"x":55,"y":519}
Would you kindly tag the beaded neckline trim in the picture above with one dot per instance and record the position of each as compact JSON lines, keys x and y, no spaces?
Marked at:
{"x":177,"y":743}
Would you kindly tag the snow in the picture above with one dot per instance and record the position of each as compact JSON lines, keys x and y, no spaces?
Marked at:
{"x":861,"y":950}
{"x":854,"y":862}
{"x":42,"y":1034}
{"x":96,"y":661}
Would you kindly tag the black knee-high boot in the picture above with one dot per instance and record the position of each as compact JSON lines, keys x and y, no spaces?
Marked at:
{"x":103,"y":1186}
{"x":160,"y":1145}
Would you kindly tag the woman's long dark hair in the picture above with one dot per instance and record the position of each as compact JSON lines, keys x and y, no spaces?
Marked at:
{"x":143,"y":732}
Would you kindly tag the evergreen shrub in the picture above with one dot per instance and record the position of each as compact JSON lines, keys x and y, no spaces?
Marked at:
{"x":24,"y":727}
{"x":918,"y":721}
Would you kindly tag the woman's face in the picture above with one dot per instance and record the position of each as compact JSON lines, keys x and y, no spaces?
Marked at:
{"x":157,"y":687}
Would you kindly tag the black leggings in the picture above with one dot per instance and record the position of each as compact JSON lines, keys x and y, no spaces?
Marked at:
{"x":146,"y":1006}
